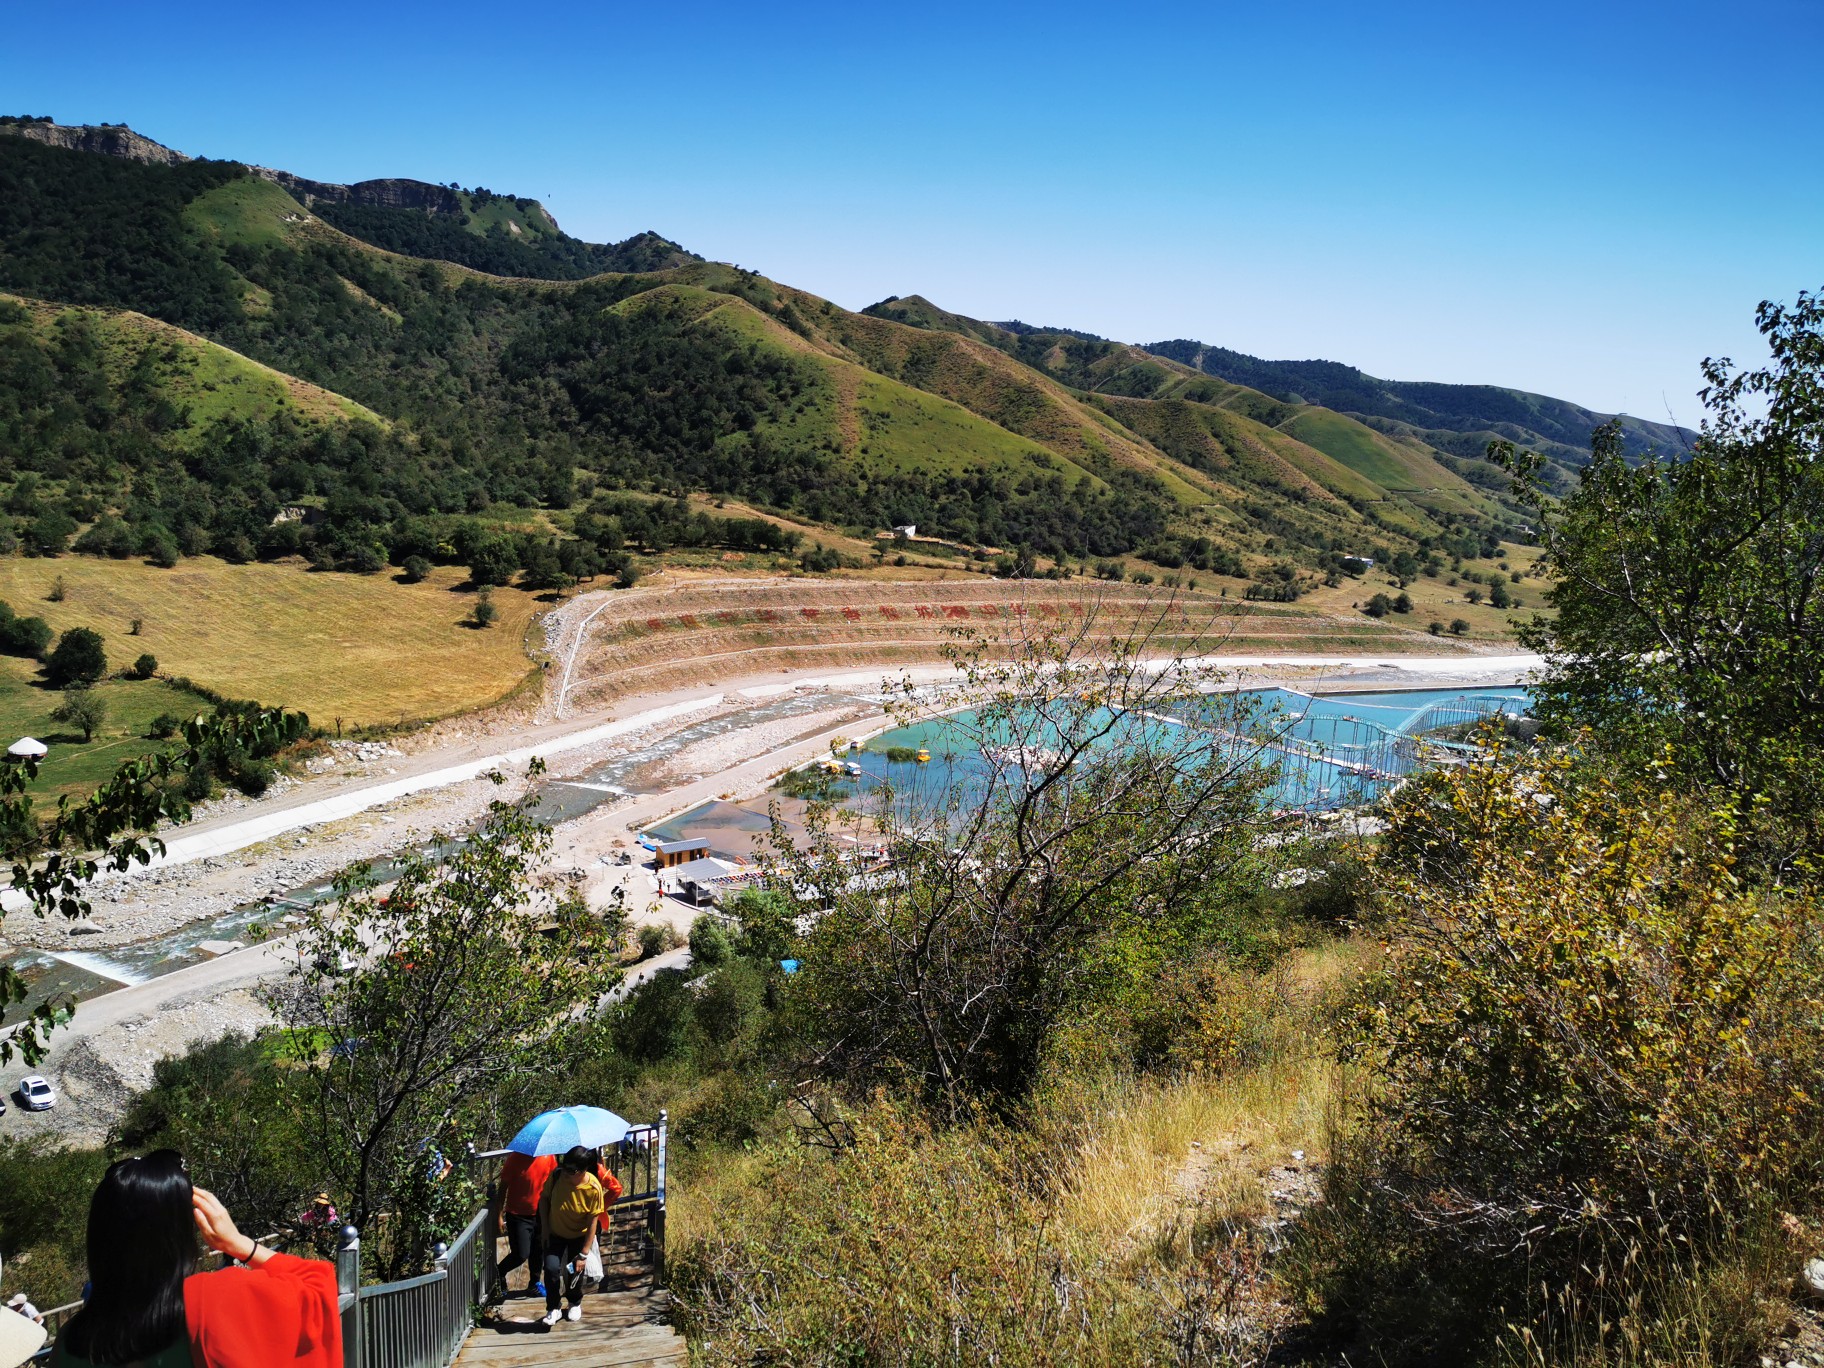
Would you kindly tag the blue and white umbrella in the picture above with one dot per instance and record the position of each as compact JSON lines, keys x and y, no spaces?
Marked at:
{"x":564,"y":1128}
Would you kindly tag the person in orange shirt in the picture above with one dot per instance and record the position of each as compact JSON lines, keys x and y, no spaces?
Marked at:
{"x":522,"y":1182}
{"x":148,"y":1306}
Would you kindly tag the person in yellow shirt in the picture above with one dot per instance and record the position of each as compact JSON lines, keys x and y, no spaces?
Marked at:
{"x":569,"y":1218}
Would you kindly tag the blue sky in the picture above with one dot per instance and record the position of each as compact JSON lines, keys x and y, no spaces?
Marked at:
{"x":1580,"y":199}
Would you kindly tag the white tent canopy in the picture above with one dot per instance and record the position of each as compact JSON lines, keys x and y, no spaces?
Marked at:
{"x":28,"y":745}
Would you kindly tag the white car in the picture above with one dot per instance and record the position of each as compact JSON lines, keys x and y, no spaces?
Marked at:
{"x":36,"y":1095}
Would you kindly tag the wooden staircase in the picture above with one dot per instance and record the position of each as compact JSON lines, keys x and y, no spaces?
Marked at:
{"x":623,"y":1324}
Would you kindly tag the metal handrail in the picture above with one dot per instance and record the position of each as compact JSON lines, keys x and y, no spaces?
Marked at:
{"x":417,"y":1322}
{"x":422,"y":1321}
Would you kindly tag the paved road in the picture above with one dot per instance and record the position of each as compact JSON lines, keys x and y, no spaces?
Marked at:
{"x":582,"y":841}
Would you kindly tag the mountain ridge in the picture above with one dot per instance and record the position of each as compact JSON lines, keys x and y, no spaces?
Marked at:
{"x":506,"y":368}
{"x":501,"y":234}
{"x":1458,"y":420}
{"x":1555,"y":427}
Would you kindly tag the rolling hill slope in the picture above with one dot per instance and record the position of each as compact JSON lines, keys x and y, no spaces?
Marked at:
{"x":1460,"y":419}
{"x":464,"y":374}
{"x":1390,"y":467}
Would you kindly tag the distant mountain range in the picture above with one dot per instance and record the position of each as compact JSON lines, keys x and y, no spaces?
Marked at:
{"x":411,"y":358}
{"x":1458,"y":418}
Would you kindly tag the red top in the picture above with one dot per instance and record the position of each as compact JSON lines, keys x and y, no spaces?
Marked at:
{"x":283,"y":1312}
{"x":610,"y":1186}
{"x":522,"y":1181}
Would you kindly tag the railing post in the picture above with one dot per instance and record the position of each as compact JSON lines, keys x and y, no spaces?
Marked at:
{"x":348,"y":1288}
{"x":658,"y":1230}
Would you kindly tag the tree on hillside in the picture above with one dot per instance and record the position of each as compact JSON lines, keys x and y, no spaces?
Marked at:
{"x":1103,"y":846}
{"x":79,"y":658}
{"x":405,"y":1005}
{"x":82,"y":708}
{"x":494,"y":560}
{"x":1689,"y":614}
{"x":24,"y":636}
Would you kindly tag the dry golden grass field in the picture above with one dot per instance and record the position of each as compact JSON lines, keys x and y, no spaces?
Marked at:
{"x":362,"y":648}
{"x":1438,"y":600}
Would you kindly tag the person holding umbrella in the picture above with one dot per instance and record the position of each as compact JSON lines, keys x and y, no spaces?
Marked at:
{"x":529,"y":1168}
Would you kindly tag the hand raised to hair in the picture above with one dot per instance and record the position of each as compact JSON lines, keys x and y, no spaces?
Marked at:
{"x":217,"y":1227}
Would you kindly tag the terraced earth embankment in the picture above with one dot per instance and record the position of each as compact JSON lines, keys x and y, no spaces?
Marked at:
{"x":702,"y":631}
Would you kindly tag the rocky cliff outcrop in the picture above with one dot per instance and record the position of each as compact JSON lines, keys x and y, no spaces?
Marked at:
{"x":117,"y":140}
{"x":385,"y":194}
{"x":110,"y":140}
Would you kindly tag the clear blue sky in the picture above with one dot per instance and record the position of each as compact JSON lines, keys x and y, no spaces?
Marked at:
{"x":1582,"y":199}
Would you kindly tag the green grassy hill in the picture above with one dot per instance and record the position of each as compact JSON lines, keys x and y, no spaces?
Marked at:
{"x":1458,"y":419}
{"x":207,"y":384}
{"x":402,"y":382}
{"x":1418,"y":489}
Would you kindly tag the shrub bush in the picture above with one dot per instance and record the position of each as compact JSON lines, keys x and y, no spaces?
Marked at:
{"x":656,"y":940}
{"x":911,"y":1245}
{"x":146,"y":666}
{"x":1587,"y":1038}
{"x":28,"y":636}
{"x":709,"y":945}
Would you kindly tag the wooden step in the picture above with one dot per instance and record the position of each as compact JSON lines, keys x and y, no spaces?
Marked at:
{"x":619,"y":1329}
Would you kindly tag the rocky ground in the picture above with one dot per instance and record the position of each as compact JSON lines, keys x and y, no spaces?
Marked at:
{"x":99,"y":1074}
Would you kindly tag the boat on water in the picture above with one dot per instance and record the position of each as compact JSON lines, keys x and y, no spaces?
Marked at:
{"x":924,"y":755}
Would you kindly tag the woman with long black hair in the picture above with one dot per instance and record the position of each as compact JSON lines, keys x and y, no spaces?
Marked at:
{"x":148,"y":1307}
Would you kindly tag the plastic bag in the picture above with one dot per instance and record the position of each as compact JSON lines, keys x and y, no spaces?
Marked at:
{"x":592,"y":1265}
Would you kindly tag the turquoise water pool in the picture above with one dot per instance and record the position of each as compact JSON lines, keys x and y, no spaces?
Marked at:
{"x":1329,"y":751}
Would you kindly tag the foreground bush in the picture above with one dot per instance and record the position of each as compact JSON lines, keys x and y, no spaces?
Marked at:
{"x":1588,"y":1042}
{"x":913,"y":1245}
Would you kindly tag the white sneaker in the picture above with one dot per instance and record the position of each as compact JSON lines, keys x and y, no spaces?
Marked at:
{"x":552,"y":1317}
{"x":575,"y":1313}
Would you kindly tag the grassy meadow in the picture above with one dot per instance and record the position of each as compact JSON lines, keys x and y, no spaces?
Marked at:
{"x":75,"y":766}
{"x":1437,"y":600}
{"x":362,"y":648}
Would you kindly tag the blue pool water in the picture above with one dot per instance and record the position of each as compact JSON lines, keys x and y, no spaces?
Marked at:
{"x":1330,"y":751}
